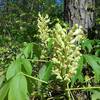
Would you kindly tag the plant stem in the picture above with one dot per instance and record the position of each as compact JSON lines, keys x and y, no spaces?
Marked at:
{"x":35,"y":78}
{"x":68,"y":92}
{"x":89,"y":79}
{"x":84,"y":88}
{"x":39,"y":60}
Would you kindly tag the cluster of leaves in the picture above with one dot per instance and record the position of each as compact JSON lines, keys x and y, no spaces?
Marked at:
{"x":89,"y":66}
{"x":15,"y":80}
{"x":18,"y":70}
{"x":92,"y":55}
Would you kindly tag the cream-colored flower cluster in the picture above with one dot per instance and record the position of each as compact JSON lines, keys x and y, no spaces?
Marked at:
{"x":43,"y":27}
{"x":66,"y":48}
{"x":66,"y":51}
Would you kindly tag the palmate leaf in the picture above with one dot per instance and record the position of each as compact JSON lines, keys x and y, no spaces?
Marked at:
{"x":13,"y":69}
{"x":79,"y":74}
{"x":27,"y":66}
{"x":3,"y":91}
{"x":94,"y":62}
{"x":16,"y":66}
{"x":18,"y":88}
{"x":45,"y":71}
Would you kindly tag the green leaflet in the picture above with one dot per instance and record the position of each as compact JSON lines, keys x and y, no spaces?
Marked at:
{"x":45,"y":71}
{"x":42,"y":71}
{"x":3,"y":91}
{"x":28,"y":50}
{"x":78,"y":75}
{"x":93,"y":62}
{"x":18,"y":88}
{"x":27,"y":66}
{"x":13,"y":69}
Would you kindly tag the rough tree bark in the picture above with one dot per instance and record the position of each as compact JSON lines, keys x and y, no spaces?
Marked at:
{"x":81,"y":12}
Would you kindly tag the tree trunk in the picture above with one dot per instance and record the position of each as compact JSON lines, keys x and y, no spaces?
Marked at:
{"x":80,"y":12}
